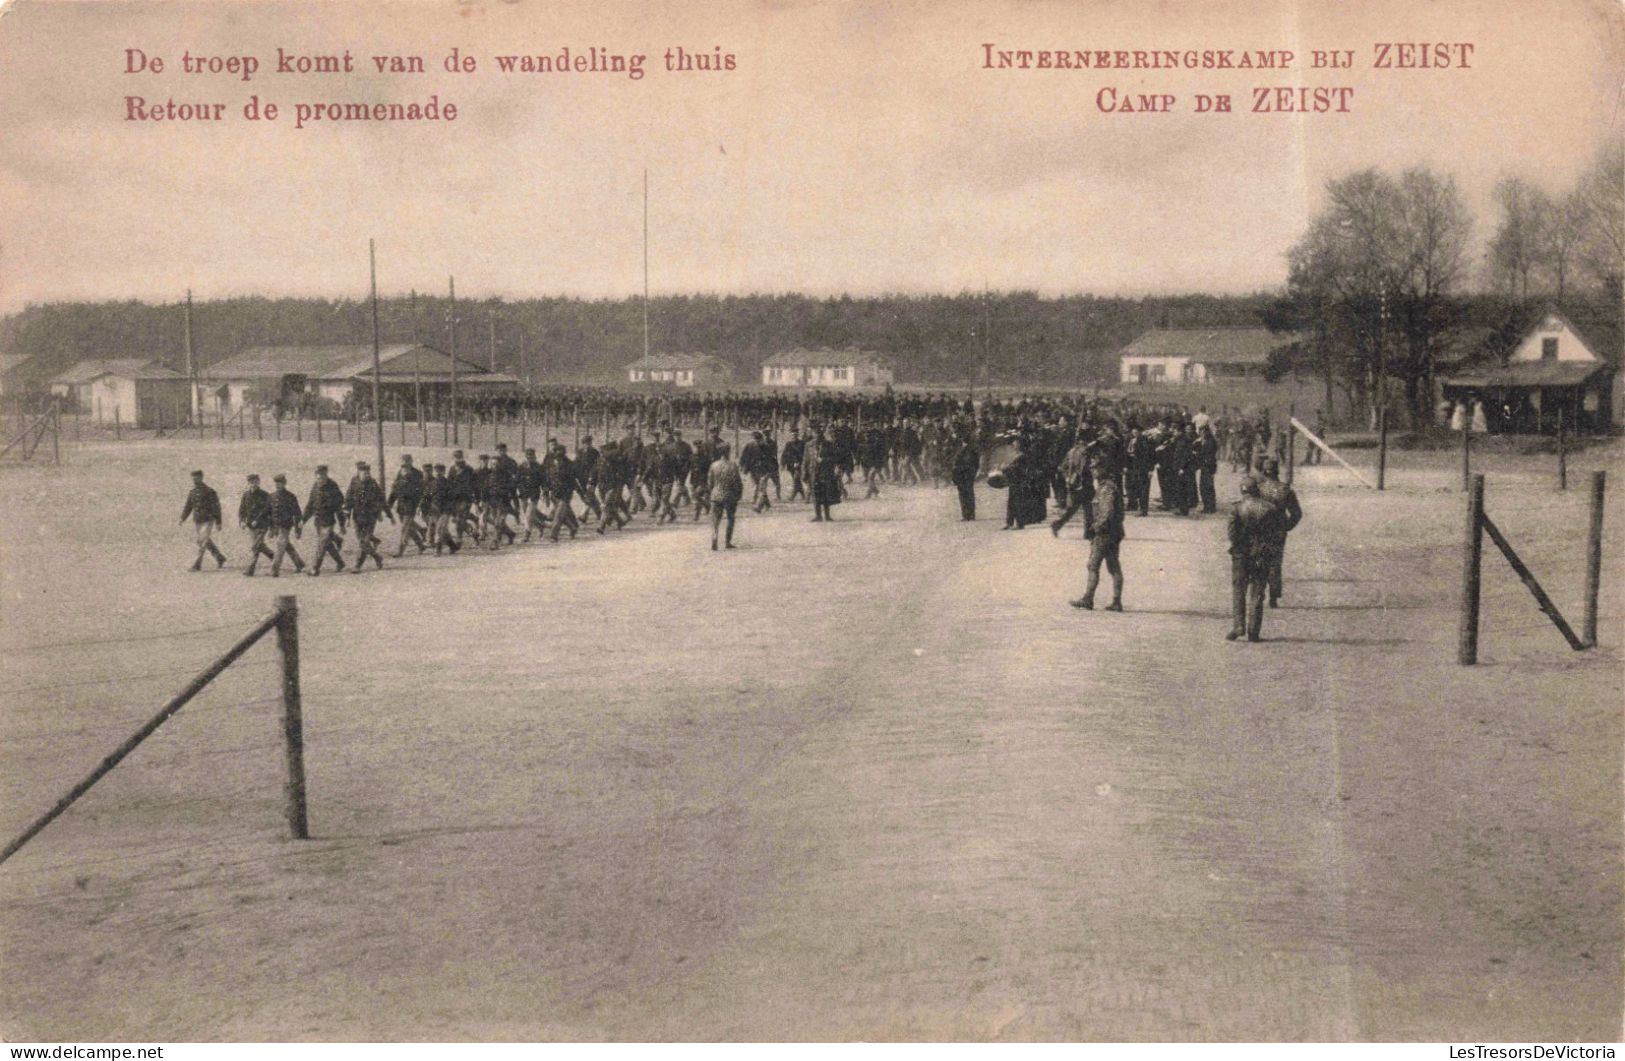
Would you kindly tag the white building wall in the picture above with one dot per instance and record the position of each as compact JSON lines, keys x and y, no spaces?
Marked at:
{"x":1569,"y":346}
{"x":1172,"y":370}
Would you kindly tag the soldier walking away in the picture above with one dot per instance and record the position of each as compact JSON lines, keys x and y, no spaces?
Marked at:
{"x":405,"y":495}
{"x":529,"y":487}
{"x":286,"y":519}
{"x":365,"y":505}
{"x":1283,"y":497}
{"x":203,"y":505}
{"x":326,"y":508}
{"x":1104,"y":529}
{"x":726,"y":486}
{"x":1255,"y":536}
{"x":254,"y":516}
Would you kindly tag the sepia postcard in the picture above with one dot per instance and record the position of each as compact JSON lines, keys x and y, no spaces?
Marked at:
{"x":786,"y":520}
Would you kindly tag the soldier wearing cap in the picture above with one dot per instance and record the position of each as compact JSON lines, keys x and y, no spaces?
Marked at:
{"x":365,"y":503}
{"x":441,"y":509}
{"x":793,"y":451}
{"x":586,"y":462}
{"x":1255,"y":537}
{"x":614,"y":472}
{"x":326,"y":508}
{"x":1283,"y":497}
{"x":1104,"y":529}
{"x":528,"y":485}
{"x":405,"y":495}
{"x":461,"y":493}
{"x":561,"y":484}
{"x":726,"y":486}
{"x":254,"y":516}
{"x":203,"y":505}
{"x":285,"y":518}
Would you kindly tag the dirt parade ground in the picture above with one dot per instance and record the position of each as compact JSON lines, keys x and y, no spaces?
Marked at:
{"x":872,"y":779}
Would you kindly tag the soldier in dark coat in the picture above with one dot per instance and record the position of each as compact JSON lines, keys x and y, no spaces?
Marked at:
{"x":405,"y":495}
{"x":528,"y":485}
{"x":586,"y":466}
{"x":1142,"y":455}
{"x":286,"y":518}
{"x":1205,"y":454}
{"x":254,"y":516}
{"x":1283,"y":497}
{"x":561,"y":485}
{"x":966,"y":463}
{"x":1104,"y":530}
{"x":822,"y":464}
{"x":203,"y":506}
{"x":326,"y":508}
{"x":794,"y":451}
{"x":1255,"y":539}
{"x":442,"y":510}
{"x":364,"y":502}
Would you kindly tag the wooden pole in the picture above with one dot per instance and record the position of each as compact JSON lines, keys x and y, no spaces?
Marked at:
{"x":1291,"y":440}
{"x":1562,"y":451}
{"x":299,"y":424}
{"x":1594,"y":557}
{"x":377,"y":369}
{"x":293,"y":731}
{"x":575,"y":426}
{"x":1315,"y":440}
{"x":56,"y":433}
{"x":1472,"y":563}
{"x":177,"y":702}
{"x":1382,"y":446}
{"x":1467,"y":451}
{"x":1528,"y":579}
{"x":118,"y":425}
{"x":451,"y":321}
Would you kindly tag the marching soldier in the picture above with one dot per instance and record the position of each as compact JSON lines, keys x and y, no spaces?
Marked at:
{"x":442,"y":509}
{"x":203,"y":505}
{"x":1283,"y":497}
{"x":1205,"y":454}
{"x":613,"y":472}
{"x":326,"y":508}
{"x":529,"y":487}
{"x":254,"y":516}
{"x":365,"y":504}
{"x":286,"y":519}
{"x":405,"y":495}
{"x":561,"y":485}
{"x":586,"y":468}
{"x":1255,"y":536}
{"x":461,"y":494}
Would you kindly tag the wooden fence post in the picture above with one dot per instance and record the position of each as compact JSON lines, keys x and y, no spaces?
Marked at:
{"x":1594,"y":558}
{"x":1472,"y":562}
{"x":118,"y":425}
{"x":1467,"y":453}
{"x":1562,"y":451}
{"x":293,"y":732}
{"x":1291,"y":440}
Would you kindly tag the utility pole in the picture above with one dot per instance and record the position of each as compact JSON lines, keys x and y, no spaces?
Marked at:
{"x":646,"y":262}
{"x":1382,"y":387}
{"x":191,"y":367}
{"x":451,"y":323}
{"x":493,"y":320}
{"x":377,"y":368}
{"x":417,"y":372}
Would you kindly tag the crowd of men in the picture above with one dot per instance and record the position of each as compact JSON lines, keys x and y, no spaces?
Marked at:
{"x":1104,"y":458}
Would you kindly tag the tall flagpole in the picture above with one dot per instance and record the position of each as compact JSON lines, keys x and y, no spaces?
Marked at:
{"x":645,"y":262}
{"x":377,"y":369}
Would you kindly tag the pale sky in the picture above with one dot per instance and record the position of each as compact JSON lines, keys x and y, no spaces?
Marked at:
{"x":856,"y":147}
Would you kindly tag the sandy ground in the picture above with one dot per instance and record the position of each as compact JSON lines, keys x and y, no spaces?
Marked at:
{"x":871,"y":780}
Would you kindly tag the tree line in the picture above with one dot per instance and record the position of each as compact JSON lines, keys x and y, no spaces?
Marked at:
{"x":972,"y":337}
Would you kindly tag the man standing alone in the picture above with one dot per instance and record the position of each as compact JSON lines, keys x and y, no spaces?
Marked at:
{"x":1105,"y":533}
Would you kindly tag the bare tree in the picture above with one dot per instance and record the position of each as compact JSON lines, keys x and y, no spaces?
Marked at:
{"x":1520,"y":241}
{"x":1600,"y":202}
